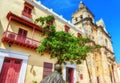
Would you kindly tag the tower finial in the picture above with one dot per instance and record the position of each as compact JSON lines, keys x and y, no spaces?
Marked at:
{"x":81,"y":5}
{"x":81,"y":2}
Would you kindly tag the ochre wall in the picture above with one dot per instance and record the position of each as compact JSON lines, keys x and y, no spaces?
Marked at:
{"x":35,"y":62}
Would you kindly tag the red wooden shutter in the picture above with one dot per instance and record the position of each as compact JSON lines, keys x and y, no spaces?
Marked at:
{"x":47,"y":69}
{"x":21,"y":35}
{"x":22,"y":32}
{"x":10,"y":70}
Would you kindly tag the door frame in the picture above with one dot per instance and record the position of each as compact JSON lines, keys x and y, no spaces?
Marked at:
{"x":68,"y":64}
{"x":18,"y":55}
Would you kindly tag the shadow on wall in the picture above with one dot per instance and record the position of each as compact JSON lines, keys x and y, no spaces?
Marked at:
{"x":1,"y":32}
{"x":32,"y":70}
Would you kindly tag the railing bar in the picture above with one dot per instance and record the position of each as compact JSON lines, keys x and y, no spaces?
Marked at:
{"x":23,"y":36}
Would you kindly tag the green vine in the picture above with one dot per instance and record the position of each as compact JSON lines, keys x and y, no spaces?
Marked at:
{"x":64,"y":46}
{"x":43,"y":20}
{"x":47,"y":24}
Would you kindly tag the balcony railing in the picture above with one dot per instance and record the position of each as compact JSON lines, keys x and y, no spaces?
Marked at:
{"x":20,"y":40}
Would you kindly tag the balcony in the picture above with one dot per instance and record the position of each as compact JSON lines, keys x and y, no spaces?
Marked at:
{"x":14,"y":38}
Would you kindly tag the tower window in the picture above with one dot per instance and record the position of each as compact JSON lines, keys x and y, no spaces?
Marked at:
{"x":81,"y":16}
{"x":27,"y":10}
{"x":76,"y":19}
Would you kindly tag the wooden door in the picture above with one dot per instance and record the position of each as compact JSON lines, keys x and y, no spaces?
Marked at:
{"x":21,"y":35}
{"x":71,"y":75}
{"x":10,"y":70}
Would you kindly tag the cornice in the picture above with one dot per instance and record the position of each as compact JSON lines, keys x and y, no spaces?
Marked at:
{"x":82,"y":9}
{"x":51,"y":12}
{"x":84,"y":19}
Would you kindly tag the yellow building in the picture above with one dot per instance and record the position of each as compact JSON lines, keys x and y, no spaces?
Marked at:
{"x":19,"y":37}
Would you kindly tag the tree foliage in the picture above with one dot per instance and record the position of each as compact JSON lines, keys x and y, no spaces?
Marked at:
{"x":46,"y":23}
{"x":44,"y":20}
{"x":64,"y":46}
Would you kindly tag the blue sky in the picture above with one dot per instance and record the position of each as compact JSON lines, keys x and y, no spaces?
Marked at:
{"x":108,"y":10}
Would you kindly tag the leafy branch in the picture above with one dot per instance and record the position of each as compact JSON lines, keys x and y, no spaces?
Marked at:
{"x":64,"y":46}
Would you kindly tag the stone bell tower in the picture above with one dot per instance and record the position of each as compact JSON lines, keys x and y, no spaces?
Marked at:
{"x":82,"y":19}
{"x":81,"y":14}
{"x":101,"y":65}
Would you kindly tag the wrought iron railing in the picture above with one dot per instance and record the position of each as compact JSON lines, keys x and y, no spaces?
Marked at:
{"x":11,"y":36}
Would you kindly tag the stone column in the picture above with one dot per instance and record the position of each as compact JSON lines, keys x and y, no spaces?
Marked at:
{"x":104,"y":63}
{"x":91,"y":68}
{"x":99,"y":68}
{"x":116,"y":74}
{"x":83,"y":70}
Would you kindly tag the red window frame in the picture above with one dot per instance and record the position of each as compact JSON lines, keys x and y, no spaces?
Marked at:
{"x":67,"y":28}
{"x":47,"y":69}
{"x":27,"y":10}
